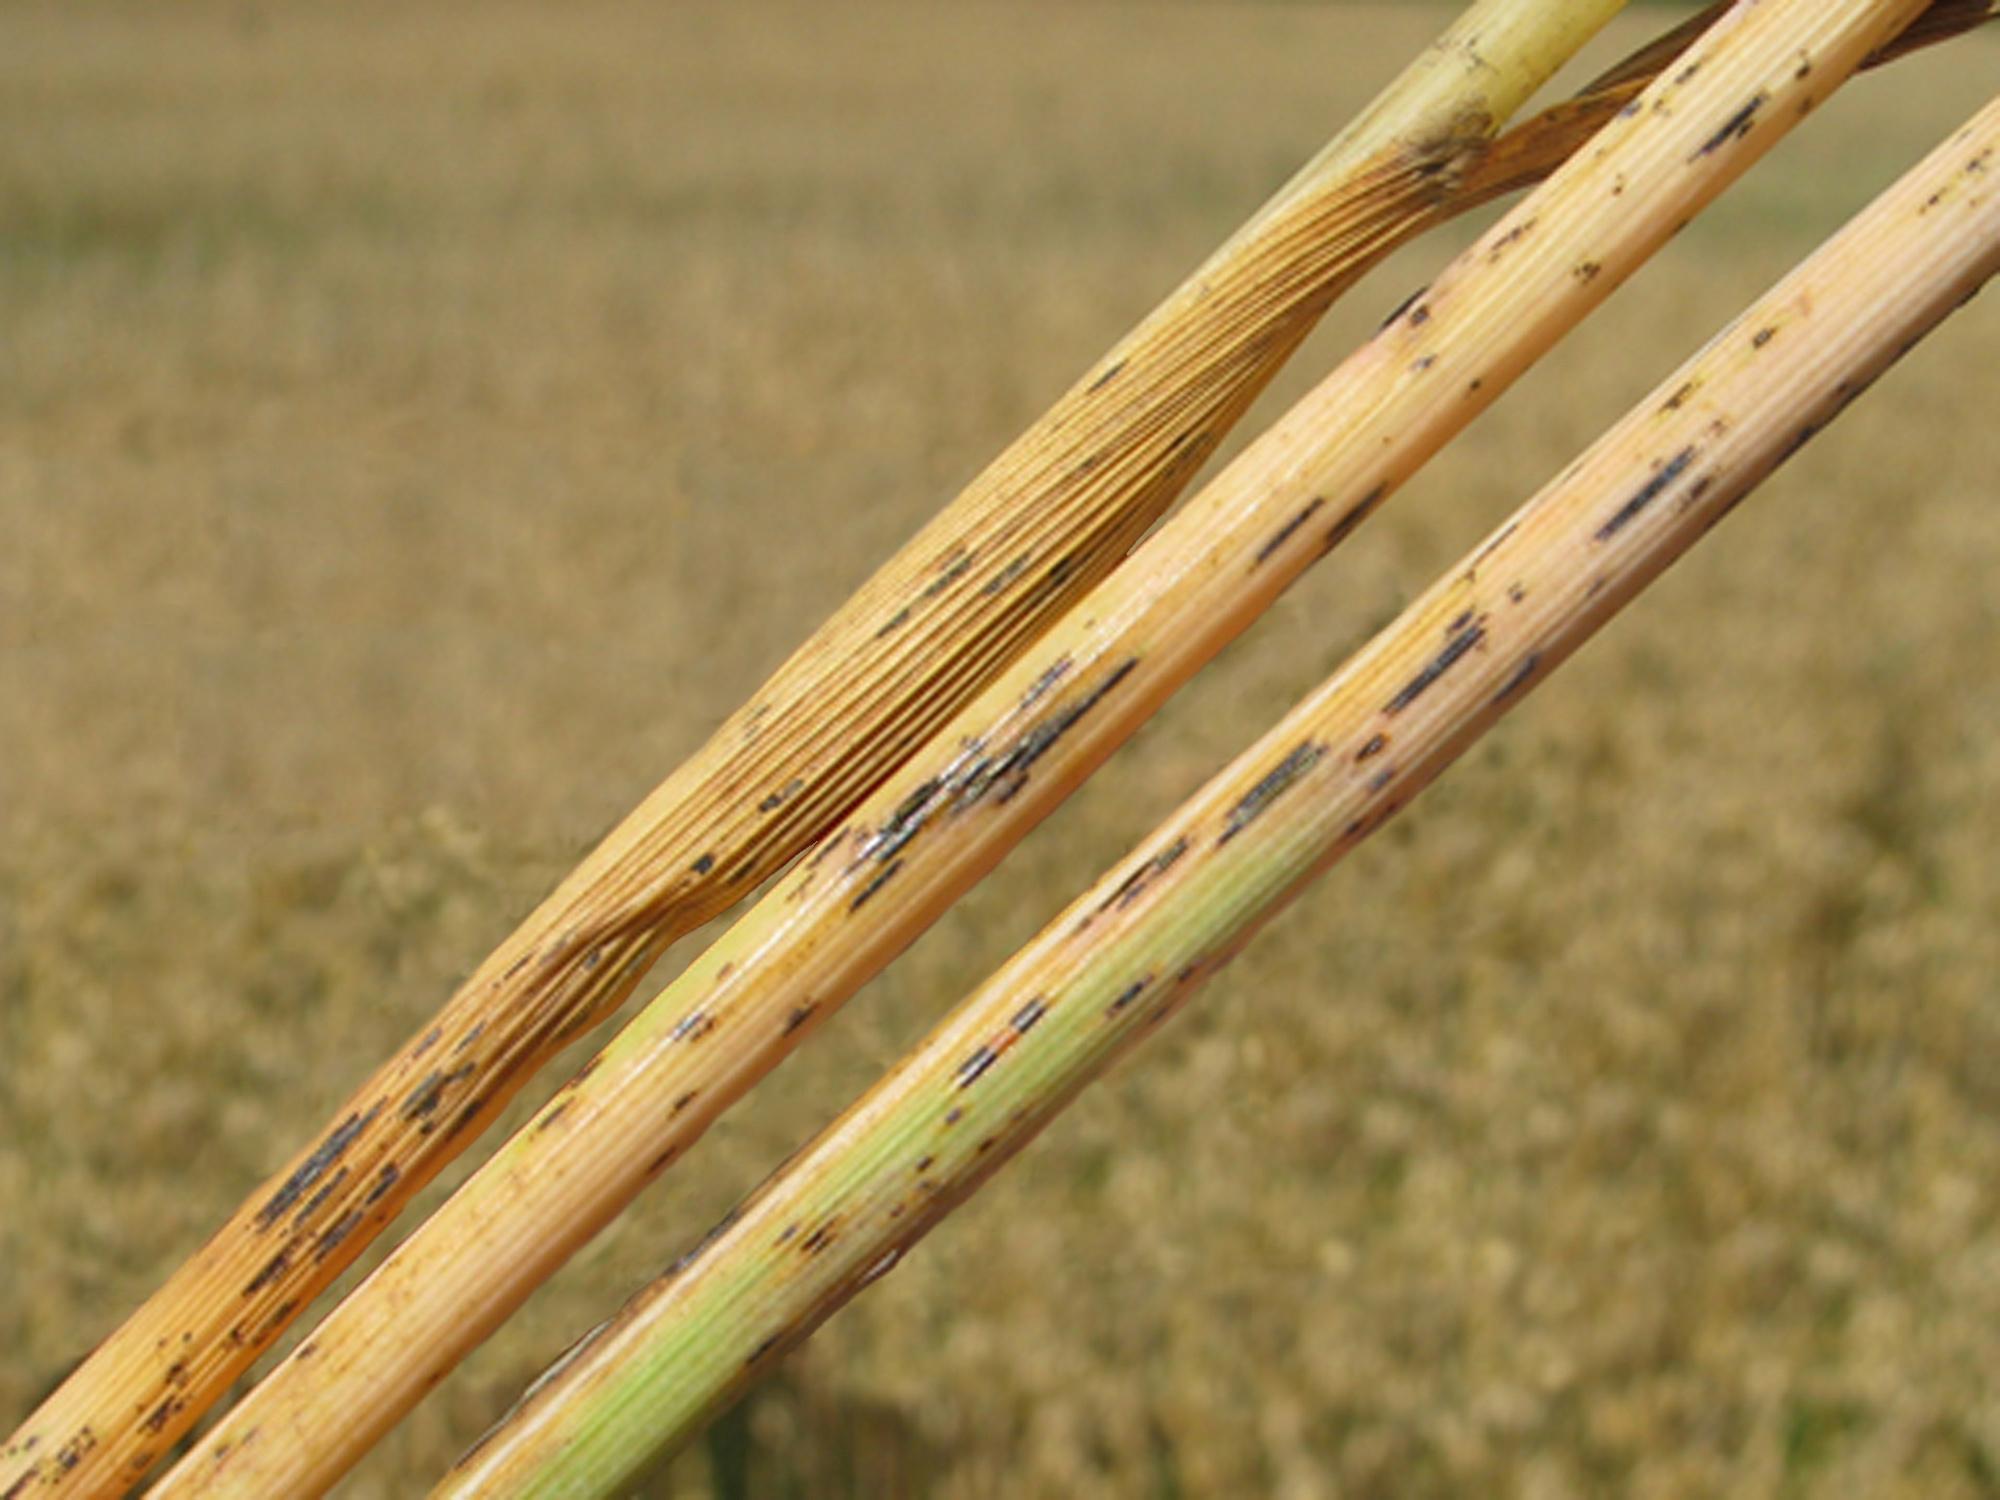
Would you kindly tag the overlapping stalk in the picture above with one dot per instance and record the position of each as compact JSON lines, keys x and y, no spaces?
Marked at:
{"x":1528,"y":153}
{"x":1047,"y":520}
{"x":960,"y":802}
{"x":1134,"y":948}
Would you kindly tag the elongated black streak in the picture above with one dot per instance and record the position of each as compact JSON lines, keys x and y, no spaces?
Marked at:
{"x":1405,"y":305}
{"x":1026,"y":1017}
{"x":976,"y":774}
{"x":959,"y":566}
{"x":275,"y":1267}
{"x":1284,"y":533}
{"x":1274,"y":785}
{"x":1530,"y":664}
{"x":341,"y":1228}
{"x":1648,"y":492}
{"x":1127,"y":995}
{"x":882,"y":878}
{"x":386,"y":1179}
{"x":1420,"y":684}
{"x":1352,"y":517}
{"x":318,"y":1200}
{"x":1735,"y":127}
{"x":429,"y":1093}
{"x":315,"y":1166}
{"x":974,"y":1067}
{"x":1133,"y":885}
{"x":692,"y":1027}
{"x":701,"y":1246}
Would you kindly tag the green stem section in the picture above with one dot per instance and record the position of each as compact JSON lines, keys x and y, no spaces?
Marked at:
{"x":1129,"y":953}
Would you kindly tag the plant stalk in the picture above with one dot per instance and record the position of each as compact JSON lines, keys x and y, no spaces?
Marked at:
{"x":1137,"y":946}
{"x":944,"y":819}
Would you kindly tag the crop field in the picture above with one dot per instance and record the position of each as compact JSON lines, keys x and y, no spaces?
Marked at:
{"x":419,"y":424}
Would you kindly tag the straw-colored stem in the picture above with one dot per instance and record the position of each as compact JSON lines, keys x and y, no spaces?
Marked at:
{"x":964,"y":799}
{"x":1531,"y":150}
{"x":1047,"y":520}
{"x":1133,"y":949}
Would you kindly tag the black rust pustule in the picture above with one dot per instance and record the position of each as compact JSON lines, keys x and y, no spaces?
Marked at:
{"x":1735,"y":127}
{"x":1519,"y":677}
{"x":316,"y":1166}
{"x":318,"y":1200}
{"x":782,"y":795}
{"x":275,"y":1267}
{"x":1001,"y":580}
{"x":1647,"y":493}
{"x":1127,"y":995}
{"x":1273,"y":785}
{"x":692,"y":1027}
{"x":340,"y":1229}
{"x":1284,"y":533}
{"x":882,"y":877}
{"x":1470,"y":634}
{"x":975,"y":1065}
{"x":977,"y":773}
{"x":1352,"y":517}
{"x":1134,"y":885}
{"x":1406,"y":305}
{"x":429,"y":1092}
{"x":1026,"y":1017}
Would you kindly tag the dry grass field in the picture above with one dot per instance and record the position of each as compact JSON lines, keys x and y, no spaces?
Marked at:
{"x":419,"y":424}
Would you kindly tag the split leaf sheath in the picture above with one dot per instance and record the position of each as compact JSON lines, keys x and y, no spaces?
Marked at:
{"x":1132,"y":950}
{"x":1049,"y":518}
{"x":1012,"y":756}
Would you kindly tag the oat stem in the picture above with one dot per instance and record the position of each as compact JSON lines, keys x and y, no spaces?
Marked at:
{"x":1133,"y":949}
{"x":1028,"y":538}
{"x":960,"y":802}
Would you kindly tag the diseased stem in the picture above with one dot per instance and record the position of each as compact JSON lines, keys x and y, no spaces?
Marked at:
{"x":1531,"y":150}
{"x":1049,"y":518}
{"x":1133,"y":949}
{"x":964,"y":799}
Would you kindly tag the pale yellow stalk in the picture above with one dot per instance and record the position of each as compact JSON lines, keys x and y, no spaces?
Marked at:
{"x":960,"y":802}
{"x":1133,"y":949}
{"x":1533,"y":149}
{"x":1048,"y":519}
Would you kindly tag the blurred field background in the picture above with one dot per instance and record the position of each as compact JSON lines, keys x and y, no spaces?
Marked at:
{"x":420,"y":424}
